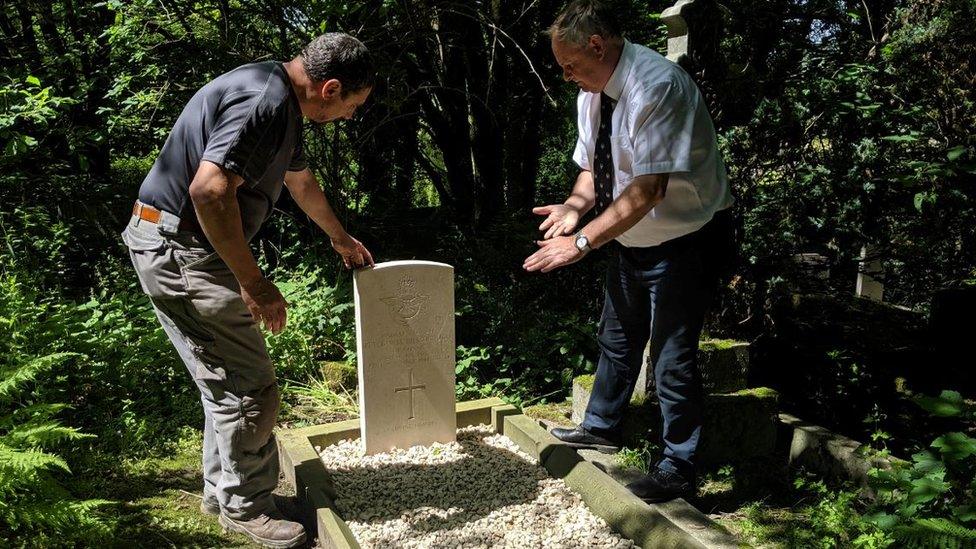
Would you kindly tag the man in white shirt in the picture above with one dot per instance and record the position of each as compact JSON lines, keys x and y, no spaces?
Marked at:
{"x":651,"y":169}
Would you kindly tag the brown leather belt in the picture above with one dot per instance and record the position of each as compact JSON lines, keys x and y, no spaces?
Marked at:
{"x":152,"y":215}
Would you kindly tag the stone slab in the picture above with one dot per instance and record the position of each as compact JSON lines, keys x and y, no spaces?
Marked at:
{"x":829,"y":454}
{"x":477,"y":412}
{"x":498,"y":415}
{"x":674,"y":525}
{"x":406,"y":354}
{"x":609,"y":465}
{"x":737,"y":426}
{"x":724,"y":366}
{"x":334,"y":533}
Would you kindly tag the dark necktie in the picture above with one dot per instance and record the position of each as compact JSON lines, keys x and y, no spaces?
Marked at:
{"x":603,"y":163}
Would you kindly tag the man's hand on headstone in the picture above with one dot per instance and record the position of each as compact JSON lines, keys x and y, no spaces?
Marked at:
{"x":552,"y":254}
{"x":266,"y":303}
{"x":354,"y":254}
{"x":561,"y":219}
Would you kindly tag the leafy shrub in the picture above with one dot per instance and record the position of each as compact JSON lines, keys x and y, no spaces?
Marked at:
{"x":931,"y":501}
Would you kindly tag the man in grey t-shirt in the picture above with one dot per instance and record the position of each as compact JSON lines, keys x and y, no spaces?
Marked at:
{"x":235,"y":145}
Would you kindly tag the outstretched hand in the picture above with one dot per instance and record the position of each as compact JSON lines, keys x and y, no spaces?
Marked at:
{"x":552,"y":254}
{"x":560,"y":219}
{"x":354,"y":254}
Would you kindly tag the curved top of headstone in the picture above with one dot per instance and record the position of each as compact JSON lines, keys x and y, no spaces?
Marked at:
{"x":405,"y":263}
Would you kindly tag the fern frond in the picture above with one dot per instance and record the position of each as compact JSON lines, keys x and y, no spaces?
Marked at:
{"x":42,"y":435}
{"x":935,"y":533}
{"x":76,"y":519}
{"x":14,"y":461}
{"x":34,"y":412}
{"x":12,"y":381}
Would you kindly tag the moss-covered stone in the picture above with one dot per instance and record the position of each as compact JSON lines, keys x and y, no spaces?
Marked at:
{"x":585,"y":381}
{"x":339,"y":374}
{"x":718,"y":344}
{"x":758,"y":392}
{"x":556,"y":412}
{"x":737,"y":426}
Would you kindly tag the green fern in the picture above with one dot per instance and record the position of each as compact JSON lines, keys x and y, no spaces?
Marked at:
{"x":15,"y":462}
{"x":12,"y":380}
{"x":935,"y":533}
{"x":44,"y":434}
{"x":33,"y":504}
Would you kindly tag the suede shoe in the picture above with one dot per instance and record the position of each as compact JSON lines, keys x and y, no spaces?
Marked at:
{"x":662,"y":485}
{"x":267,"y":531}
{"x":582,"y":438}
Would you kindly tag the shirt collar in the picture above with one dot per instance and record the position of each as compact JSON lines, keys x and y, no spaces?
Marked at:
{"x":615,"y":86}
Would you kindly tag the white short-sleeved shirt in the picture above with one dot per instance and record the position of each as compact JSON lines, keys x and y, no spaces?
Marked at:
{"x":660,"y":125}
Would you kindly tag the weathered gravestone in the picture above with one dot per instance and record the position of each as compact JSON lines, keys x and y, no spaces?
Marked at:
{"x":870,"y":275}
{"x":405,"y":343}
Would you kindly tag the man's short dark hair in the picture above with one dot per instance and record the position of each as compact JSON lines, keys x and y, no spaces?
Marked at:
{"x":340,"y":56}
{"x":582,"y":19}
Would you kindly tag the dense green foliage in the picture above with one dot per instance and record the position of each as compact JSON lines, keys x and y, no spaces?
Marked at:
{"x":924,"y":501}
{"x":844,"y":123}
{"x":34,"y":499}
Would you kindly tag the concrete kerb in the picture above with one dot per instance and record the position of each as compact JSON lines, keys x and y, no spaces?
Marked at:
{"x":831,"y":455}
{"x":304,"y":470}
{"x":333,"y":532}
{"x":671,"y":525}
{"x":675,"y":524}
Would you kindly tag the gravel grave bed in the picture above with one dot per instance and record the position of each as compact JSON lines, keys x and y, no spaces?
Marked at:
{"x":480,"y":491}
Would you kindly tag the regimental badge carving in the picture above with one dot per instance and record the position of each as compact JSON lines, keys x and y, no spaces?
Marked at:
{"x":407,"y":304}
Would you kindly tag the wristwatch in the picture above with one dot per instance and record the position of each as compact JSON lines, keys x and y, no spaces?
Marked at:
{"x":582,"y":243}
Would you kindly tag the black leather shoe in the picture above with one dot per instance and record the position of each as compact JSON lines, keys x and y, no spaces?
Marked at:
{"x":662,"y":485}
{"x":581,"y":438}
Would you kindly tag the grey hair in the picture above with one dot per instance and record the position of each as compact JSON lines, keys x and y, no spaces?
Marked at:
{"x":340,"y":56}
{"x":582,"y":19}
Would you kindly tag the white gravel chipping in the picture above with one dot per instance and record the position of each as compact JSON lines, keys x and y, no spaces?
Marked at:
{"x":480,"y":491}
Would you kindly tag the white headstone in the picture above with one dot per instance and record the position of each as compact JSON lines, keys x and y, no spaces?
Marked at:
{"x":405,"y":343}
{"x":870,"y":272}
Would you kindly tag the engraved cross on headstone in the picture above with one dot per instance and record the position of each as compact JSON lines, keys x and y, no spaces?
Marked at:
{"x":410,"y":388}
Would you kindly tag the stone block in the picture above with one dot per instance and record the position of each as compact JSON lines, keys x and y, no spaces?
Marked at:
{"x":678,"y":525}
{"x":477,"y":412}
{"x":498,"y":415}
{"x":724,"y":364}
{"x":831,"y":455}
{"x":333,"y":532}
{"x":737,"y":426}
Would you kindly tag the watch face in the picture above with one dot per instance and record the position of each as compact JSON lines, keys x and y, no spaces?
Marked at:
{"x":581,"y":242}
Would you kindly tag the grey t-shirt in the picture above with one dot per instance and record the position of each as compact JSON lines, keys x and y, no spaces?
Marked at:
{"x":247,"y":120}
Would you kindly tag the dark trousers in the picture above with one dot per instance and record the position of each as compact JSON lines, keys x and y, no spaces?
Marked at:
{"x":661,"y":293}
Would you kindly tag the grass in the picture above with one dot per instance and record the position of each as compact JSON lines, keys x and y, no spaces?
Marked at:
{"x":158,"y":497}
{"x":318,"y":401}
{"x":780,"y":514}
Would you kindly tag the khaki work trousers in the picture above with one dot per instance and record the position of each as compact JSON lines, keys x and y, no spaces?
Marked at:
{"x":197,"y":300}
